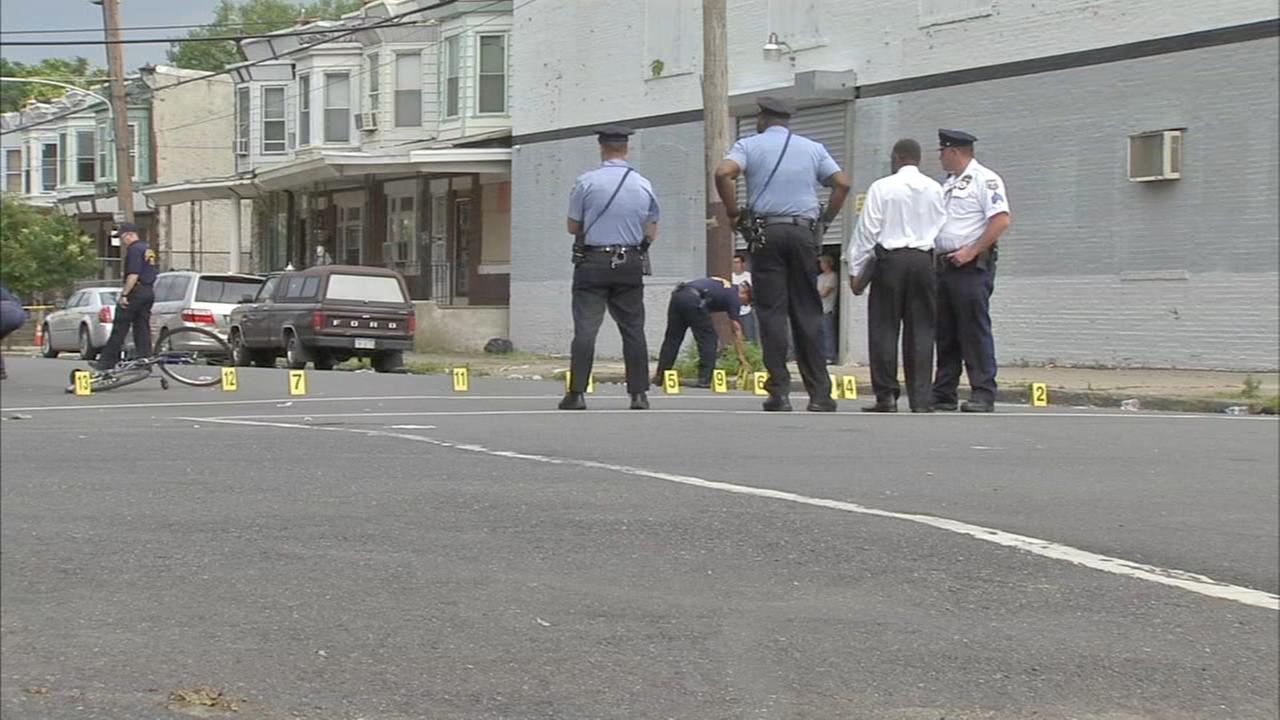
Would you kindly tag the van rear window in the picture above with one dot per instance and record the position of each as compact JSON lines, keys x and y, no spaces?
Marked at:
{"x":371,"y":288}
{"x":225,"y":290}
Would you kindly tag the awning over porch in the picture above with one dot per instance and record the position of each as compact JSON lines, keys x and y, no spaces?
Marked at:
{"x":232,"y":188}
{"x":331,"y":165}
{"x":90,"y":204}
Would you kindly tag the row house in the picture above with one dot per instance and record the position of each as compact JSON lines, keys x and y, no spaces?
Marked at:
{"x":382,"y":138}
{"x":61,"y":154}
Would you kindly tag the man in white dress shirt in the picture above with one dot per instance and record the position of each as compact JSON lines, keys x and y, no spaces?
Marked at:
{"x":901,"y":217}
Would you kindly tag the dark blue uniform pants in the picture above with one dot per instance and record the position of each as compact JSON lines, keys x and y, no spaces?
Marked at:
{"x":964,"y":331}
{"x":597,"y":286}
{"x":784,"y":290}
{"x":686,"y":311}
{"x":136,"y":316}
{"x":12,"y":317}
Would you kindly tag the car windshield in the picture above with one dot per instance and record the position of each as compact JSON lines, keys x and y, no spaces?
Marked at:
{"x":108,"y":298}
{"x":365,"y":288}
{"x":225,"y":290}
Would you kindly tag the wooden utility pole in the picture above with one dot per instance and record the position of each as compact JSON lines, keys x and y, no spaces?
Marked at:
{"x":715,"y":132}
{"x":119,"y":109}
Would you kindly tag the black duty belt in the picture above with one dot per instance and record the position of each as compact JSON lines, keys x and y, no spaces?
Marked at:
{"x":799,"y":220}
{"x":611,"y":249}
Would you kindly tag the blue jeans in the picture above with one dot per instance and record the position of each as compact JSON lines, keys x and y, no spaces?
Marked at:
{"x":749,"y":331}
{"x":829,"y":336}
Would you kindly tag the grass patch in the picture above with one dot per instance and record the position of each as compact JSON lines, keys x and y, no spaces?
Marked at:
{"x":687,"y":364}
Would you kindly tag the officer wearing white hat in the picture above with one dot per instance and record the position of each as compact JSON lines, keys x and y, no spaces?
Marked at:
{"x":613,"y":216}
{"x":783,"y":172}
{"x":977,"y":207}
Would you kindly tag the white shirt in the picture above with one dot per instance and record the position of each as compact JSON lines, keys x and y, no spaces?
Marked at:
{"x":828,"y":280}
{"x":972,"y":198}
{"x":903,"y":210}
{"x":738,"y":279}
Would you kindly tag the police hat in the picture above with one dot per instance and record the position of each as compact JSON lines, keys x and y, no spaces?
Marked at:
{"x":955,"y":138}
{"x":777,"y":107}
{"x":613,"y":133}
{"x":123,"y":228}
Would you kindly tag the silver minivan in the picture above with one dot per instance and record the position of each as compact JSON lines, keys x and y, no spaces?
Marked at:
{"x":186,"y":298}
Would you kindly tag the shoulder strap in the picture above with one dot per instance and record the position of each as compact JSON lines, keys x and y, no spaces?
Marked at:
{"x":605,"y":209}
{"x":772,"y":172}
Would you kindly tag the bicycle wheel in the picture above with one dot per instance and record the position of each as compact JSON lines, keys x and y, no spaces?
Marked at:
{"x":103,"y":380}
{"x":191,"y":356}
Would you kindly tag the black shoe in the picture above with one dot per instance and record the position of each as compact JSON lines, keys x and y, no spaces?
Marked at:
{"x":882,"y":406}
{"x":777,"y":403}
{"x":573,"y":401}
{"x":702,"y":384}
{"x":925,"y":409}
{"x":824,"y":405}
{"x":639,"y":401}
{"x":977,"y":406}
{"x":944,"y":406}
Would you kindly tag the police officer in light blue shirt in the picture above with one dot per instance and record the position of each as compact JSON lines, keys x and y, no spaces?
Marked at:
{"x":783,"y":172}
{"x":613,"y":216}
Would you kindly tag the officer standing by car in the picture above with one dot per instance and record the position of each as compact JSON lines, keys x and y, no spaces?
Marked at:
{"x":133,"y":309}
{"x":965,"y":253}
{"x":613,"y":216}
{"x":783,"y":171}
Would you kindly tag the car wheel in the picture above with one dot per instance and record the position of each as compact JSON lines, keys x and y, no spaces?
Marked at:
{"x":46,"y":344}
{"x":323,"y":361}
{"x":240,"y":355}
{"x":388,"y":362}
{"x":87,"y":351}
{"x":295,"y":356}
{"x":263,"y":359}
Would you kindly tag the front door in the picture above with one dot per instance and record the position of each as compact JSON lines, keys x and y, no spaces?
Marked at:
{"x":462,"y":246}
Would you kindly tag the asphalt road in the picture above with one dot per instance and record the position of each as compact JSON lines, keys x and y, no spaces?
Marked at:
{"x":384,"y":548}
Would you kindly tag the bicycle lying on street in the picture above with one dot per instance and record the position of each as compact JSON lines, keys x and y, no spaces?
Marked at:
{"x":188,"y":355}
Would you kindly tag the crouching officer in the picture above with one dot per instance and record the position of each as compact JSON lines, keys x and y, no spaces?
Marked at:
{"x":133,"y":309}
{"x":613,"y":216}
{"x":690,"y":307}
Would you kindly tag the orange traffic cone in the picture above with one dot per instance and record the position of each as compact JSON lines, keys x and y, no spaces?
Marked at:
{"x":40,"y":334}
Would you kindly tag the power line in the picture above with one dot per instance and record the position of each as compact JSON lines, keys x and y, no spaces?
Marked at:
{"x":136,"y":28}
{"x":159,"y":41}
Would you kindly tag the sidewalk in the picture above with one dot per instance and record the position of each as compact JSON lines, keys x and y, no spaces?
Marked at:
{"x":1183,"y":390}
{"x":1180,"y":390}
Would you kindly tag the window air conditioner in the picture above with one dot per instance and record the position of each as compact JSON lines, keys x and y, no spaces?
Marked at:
{"x":367,"y":121}
{"x":1155,"y":156}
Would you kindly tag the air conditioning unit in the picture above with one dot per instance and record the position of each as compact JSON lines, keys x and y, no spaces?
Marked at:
{"x":1155,"y":156}
{"x":367,"y":121}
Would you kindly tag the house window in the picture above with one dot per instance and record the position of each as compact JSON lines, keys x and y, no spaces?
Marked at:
{"x":101,"y":144}
{"x":452,"y":61}
{"x":49,"y":166}
{"x":493,"y":74}
{"x":242,"y":121}
{"x":401,"y":231}
{"x":85,"y":167}
{"x":408,"y":90}
{"x":133,"y":150}
{"x":273,"y":122}
{"x":371,"y":65}
{"x":337,"y":107}
{"x":64,"y":157}
{"x":304,"y":109}
{"x":13,"y":171}
{"x":350,"y":234}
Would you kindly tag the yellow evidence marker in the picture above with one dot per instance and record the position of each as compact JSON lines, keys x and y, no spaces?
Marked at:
{"x":671,"y":382}
{"x":758,"y":380}
{"x":835,"y":387}
{"x":849,"y":384}
{"x":1039,"y":395}
{"x":461,"y":381}
{"x":719,"y":381}
{"x":230,"y":383}
{"x":297,"y":382}
{"x":83,"y":382}
{"x":591,"y":382}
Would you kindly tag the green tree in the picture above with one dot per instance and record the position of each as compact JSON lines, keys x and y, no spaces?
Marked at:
{"x":41,"y":250}
{"x":74,"y":71}
{"x":248,"y":17}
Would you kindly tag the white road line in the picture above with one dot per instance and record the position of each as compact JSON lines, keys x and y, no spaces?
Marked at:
{"x":704,"y":411}
{"x":1164,"y":576}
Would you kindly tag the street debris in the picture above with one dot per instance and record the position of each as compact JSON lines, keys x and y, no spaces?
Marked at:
{"x":542,"y":622}
{"x":285,"y":404}
{"x":198,"y":698}
{"x":322,"y":653}
{"x":1131,"y":405}
{"x":1237,"y":410}
{"x":19,"y":416}
{"x":36,"y":690}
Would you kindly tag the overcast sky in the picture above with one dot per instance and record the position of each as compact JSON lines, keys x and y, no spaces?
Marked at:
{"x":79,"y":14}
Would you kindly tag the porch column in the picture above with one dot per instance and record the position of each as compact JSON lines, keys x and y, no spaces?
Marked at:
{"x":233,"y":263}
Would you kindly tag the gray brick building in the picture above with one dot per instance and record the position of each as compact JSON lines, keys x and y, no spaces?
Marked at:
{"x":1097,"y":269}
